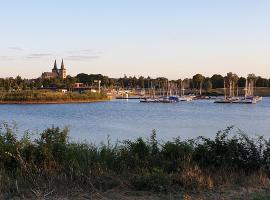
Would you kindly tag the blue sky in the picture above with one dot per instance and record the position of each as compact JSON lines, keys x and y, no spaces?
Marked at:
{"x":170,"y":38}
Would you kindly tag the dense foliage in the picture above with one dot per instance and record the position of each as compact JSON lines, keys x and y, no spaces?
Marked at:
{"x":52,"y":161}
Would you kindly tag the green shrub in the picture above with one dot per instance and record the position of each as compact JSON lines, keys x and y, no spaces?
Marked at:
{"x":144,"y":164}
{"x":235,"y":153}
{"x":155,"y":180}
{"x":176,"y":155}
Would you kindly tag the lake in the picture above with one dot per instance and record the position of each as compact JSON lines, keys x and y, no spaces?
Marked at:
{"x":122,"y":119}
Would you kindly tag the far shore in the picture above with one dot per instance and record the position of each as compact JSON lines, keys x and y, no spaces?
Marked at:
{"x":49,"y":97}
{"x":54,"y":102}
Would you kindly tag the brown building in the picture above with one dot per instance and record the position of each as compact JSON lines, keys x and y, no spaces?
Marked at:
{"x":56,"y":73}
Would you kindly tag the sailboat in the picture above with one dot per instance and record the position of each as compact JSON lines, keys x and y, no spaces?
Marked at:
{"x":184,"y":97}
{"x":225,"y":99}
{"x":152,"y":97}
{"x":249,"y":97}
{"x":169,"y":98}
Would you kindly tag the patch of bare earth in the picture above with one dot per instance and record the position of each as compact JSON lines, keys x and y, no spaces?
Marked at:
{"x":236,"y":193}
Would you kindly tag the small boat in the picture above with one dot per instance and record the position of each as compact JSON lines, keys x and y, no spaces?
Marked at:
{"x":164,"y":100}
{"x":170,"y":99}
{"x":235,"y":100}
{"x":185,"y":98}
{"x":148,"y":100}
{"x":245,"y":101}
{"x":257,"y":98}
{"x":223,"y":100}
{"x":174,"y":99}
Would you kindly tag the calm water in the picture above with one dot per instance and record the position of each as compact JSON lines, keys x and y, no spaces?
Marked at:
{"x":123,"y":119}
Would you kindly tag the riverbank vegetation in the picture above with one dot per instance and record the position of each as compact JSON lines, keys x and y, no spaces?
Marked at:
{"x":38,"y":96}
{"x":191,"y":85}
{"x":49,"y":164}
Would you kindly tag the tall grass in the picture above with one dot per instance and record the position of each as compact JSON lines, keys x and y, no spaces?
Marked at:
{"x":36,"y":96}
{"x":51,"y":163}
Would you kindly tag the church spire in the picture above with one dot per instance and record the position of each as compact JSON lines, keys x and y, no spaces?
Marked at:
{"x":55,"y":65}
{"x":62,"y":64}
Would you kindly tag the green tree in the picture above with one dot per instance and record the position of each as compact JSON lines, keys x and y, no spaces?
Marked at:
{"x":261,"y":82}
{"x":198,"y":79}
{"x":241,"y":82}
{"x":217,"y":81}
{"x":141,"y":82}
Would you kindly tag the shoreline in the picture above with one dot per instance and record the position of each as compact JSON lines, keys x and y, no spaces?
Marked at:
{"x":51,"y":102}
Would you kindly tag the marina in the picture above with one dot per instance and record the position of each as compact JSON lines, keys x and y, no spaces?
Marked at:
{"x":229,"y":88}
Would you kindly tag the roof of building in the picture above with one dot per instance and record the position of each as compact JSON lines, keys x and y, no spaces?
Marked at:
{"x":48,"y":74}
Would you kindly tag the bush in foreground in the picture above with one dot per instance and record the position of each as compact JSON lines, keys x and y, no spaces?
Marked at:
{"x":51,"y":163}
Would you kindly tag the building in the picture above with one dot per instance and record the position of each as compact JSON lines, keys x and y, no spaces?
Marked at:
{"x":56,"y":73}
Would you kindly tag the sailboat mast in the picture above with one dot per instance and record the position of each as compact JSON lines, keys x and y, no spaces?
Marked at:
{"x":167,"y":88}
{"x":224,"y":89}
{"x":246,"y":89}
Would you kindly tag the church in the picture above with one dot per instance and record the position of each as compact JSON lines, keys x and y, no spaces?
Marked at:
{"x":56,"y":73}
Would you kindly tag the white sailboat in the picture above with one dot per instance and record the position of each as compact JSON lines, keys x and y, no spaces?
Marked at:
{"x":184,"y":97}
{"x":225,"y":99}
{"x":249,"y":94}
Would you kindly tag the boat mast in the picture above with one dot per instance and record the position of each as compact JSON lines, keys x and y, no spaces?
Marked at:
{"x":167,"y":88}
{"x":224,"y":89}
{"x":252,"y":88}
{"x":170,"y":90}
{"x":246,"y":88}
{"x":182,"y":89}
{"x":230,"y":88}
{"x":163,"y":88}
{"x":237,"y":90}
{"x":154,"y":91}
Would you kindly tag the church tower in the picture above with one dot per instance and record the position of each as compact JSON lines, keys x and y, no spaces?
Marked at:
{"x":62,"y":71}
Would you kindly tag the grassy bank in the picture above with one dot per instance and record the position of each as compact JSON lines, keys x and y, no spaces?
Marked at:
{"x":34,"y":96}
{"x":51,"y":165}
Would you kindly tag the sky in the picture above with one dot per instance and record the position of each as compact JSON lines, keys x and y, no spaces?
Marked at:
{"x":171,"y":38}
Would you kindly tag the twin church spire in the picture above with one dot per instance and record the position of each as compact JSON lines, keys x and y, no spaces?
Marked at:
{"x":62,"y":65}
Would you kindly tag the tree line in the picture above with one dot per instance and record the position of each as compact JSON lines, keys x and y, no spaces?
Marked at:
{"x":198,"y":81}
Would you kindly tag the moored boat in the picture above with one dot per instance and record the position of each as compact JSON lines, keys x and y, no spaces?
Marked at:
{"x":149,"y":100}
{"x":185,"y":98}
